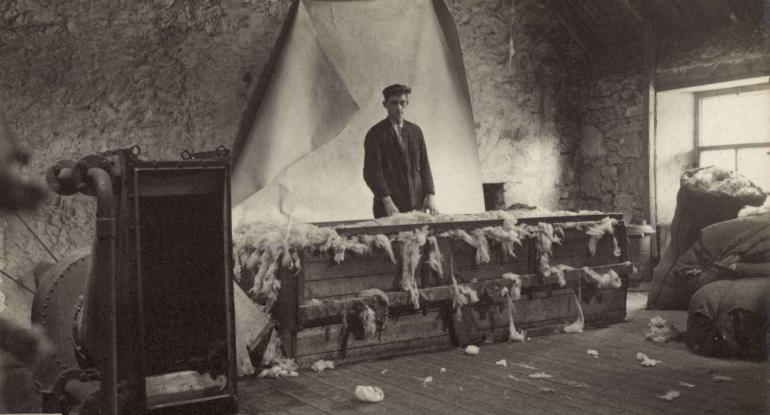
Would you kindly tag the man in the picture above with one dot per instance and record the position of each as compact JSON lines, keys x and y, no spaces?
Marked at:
{"x":396,"y":166}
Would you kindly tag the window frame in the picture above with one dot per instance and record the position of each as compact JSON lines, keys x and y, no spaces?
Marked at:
{"x":699,"y":96}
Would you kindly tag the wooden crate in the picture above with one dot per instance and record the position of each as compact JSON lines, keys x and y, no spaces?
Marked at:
{"x":312,"y":330}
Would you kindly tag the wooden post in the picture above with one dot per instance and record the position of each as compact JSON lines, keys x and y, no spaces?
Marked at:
{"x":648,"y":87}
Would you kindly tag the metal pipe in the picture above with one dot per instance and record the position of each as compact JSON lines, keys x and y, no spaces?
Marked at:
{"x":100,"y":332}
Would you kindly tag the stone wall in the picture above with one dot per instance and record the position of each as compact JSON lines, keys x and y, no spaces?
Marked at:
{"x":613,"y":148}
{"x":80,"y":77}
{"x":523,"y":71}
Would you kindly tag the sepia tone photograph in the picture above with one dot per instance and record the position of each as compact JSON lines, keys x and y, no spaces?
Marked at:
{"x":410,"y":207}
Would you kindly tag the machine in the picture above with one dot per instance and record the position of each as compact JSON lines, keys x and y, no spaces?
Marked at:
{"x":143,"y":320}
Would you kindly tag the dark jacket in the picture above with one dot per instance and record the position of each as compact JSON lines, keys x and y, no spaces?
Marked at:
{"x":404,"y":175}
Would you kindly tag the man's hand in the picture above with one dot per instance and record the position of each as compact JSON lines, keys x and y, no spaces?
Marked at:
{"x":430,"y":205}
{"x":390,"y":207}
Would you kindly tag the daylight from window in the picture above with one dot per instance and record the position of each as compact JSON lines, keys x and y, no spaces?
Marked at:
{"x":734,"y":131}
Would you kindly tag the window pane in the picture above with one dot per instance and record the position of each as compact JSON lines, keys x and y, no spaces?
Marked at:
{"x":735,"y":118}
{"x":754,"y":163}
{"x":720,"y":158}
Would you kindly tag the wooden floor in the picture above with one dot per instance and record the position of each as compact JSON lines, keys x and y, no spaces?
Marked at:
{"x":615,"y":383}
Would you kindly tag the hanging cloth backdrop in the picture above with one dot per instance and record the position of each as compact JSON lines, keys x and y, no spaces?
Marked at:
{"x":304,"y":154}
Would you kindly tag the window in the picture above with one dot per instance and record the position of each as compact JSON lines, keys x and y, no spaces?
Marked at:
{"x":733,"y":131}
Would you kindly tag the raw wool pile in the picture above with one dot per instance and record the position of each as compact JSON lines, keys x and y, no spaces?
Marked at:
{"x":717,"y":181}
{"x":661,"y":331}
{"x":371,"y":312}
{"x":374,"y":316}
{"x":645,"y":360}
{"x":369,"y":321}
{"x":558,"y":272}
{"x":670,"y":395}
{"x":512,"y":292}
{"x":278,"y":365}
{"x":321,"y":365}
{"x":462,"y":295}
{"x":579,"y":324}
{"x":416,"y":218}
{"x":597,"y":231}
{"x":482,"y":246}
{"x":412,"y":243}
{"x":545,"y":236}
{"x":376,"y":294}
{"x":508,"y":235}
{"x":378,"y":241}
{"x":260,"y":249}
{"x":609,"y":279}
{"x":753,"y":211}
{"x":368,"y":393}
{"x":435,"y":257}
{"x":472,"y":350}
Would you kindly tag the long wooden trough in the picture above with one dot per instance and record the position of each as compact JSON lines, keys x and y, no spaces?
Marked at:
{"x":318,"y":307}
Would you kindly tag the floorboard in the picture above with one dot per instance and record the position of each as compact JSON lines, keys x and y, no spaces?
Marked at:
{"x":615,"y":383}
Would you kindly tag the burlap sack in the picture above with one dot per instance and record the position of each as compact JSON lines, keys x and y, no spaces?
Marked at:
{"x":706,"y":196}
{"x":728,"y":318}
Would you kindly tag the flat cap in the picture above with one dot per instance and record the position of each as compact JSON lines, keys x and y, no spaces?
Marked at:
{"x":396,"y":89}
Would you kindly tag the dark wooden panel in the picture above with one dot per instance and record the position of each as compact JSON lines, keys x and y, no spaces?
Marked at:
{"x":489,"y":271}
{"x":329,"y":312}
{"x":341,"y":287}
{"x":397,"y":329}
{"x":575,"y":243}
{"x":608,"y":306}
{"x":587,"y":261}
{"x":464,"y":255}
{"x":322,"y":266}
{"x":289,"y":299}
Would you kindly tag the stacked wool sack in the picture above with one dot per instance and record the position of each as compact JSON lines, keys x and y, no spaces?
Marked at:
{"x":706,"y":196}
{"x":729,"y":319}
{"x":734,"y":249}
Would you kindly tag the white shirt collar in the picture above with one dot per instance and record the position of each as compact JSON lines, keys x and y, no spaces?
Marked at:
{"x":397,"y":125}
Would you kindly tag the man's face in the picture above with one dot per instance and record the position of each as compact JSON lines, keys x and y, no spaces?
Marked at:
{"x":15,"y":192}
{"x":396,"y":106}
